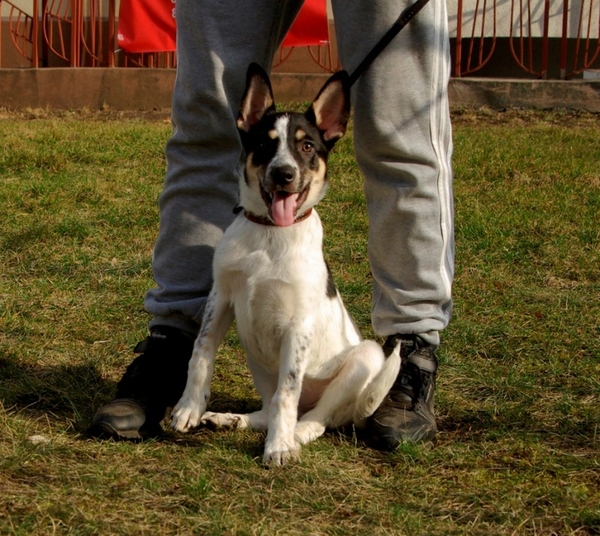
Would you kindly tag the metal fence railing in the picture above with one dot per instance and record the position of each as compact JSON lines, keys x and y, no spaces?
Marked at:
{"x":540,"y":35}
{"x":75,"y":33}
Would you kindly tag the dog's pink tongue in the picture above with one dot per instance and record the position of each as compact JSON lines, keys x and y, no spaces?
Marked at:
{"x":283,"y":208}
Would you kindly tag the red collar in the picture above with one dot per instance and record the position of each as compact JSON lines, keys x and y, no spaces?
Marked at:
{"x":263,"y":220}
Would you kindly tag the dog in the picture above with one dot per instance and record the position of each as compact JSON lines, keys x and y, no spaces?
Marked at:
{"x":309,"y":362}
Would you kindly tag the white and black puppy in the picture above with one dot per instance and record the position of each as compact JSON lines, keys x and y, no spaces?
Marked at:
{"x":308,"y":360}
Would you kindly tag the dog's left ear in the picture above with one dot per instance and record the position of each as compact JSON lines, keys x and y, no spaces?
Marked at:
{"x":331,"y":109}
{"x":257,"y":100}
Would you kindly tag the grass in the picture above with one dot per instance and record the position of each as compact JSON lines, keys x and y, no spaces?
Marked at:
{"x":518,"y":394}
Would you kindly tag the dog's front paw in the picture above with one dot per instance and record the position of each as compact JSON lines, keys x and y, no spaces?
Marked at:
{"x":279,"y":453}
{"x":186,"y":415}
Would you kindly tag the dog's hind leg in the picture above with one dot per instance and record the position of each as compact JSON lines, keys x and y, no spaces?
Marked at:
{"x":266,"y":385}
{"x":256,"y":421}
{"x":336,"y":406}
{"x":375,"y":392}
{"x":218,"y":316}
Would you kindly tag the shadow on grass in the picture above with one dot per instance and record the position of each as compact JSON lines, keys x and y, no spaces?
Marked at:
{"x":63,"y":393}
{"x":566,"y":434}
{"x":68,"y":397}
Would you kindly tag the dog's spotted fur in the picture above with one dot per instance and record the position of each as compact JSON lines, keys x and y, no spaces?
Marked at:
{"x":308,"y":360}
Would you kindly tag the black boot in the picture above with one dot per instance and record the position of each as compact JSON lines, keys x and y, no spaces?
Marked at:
{"x":406,"y":415}
{"x":153,"y":382}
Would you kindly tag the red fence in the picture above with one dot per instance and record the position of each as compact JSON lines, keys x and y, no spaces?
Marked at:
{"x":77,"y":33}
{"x":539,"y":35}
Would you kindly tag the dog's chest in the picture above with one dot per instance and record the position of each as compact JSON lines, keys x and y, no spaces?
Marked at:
{"x":274,"y":278}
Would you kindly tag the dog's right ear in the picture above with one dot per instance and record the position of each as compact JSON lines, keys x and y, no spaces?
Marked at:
{"x":258,"y":98}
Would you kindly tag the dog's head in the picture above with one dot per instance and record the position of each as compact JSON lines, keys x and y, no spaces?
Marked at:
{"x":286,"y":152}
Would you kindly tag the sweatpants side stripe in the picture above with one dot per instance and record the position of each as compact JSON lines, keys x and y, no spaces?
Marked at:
{"x":442,"y":140}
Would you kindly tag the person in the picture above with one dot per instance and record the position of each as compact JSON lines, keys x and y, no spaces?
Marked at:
{"x":403,"y":146}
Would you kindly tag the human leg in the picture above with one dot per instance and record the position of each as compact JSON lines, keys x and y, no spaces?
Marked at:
{"x":403,"y":145}
{"x":217,"y":41}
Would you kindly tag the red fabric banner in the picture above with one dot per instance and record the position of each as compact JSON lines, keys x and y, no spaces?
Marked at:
{"x":311,"y":26}
{"x":147,"y":25}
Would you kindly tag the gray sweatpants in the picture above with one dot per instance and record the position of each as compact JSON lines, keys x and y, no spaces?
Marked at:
{"x":403,"y":146}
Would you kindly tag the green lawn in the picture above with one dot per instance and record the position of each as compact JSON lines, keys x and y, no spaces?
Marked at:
{"x":518,"y":396}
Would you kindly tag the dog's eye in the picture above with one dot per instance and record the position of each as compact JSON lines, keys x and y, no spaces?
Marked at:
{"x":307,"y":147}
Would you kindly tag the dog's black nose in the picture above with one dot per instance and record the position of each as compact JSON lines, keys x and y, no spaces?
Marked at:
{"x":283,"y":175}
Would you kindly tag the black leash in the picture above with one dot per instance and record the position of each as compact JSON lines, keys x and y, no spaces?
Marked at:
{"x":405,"y":17}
